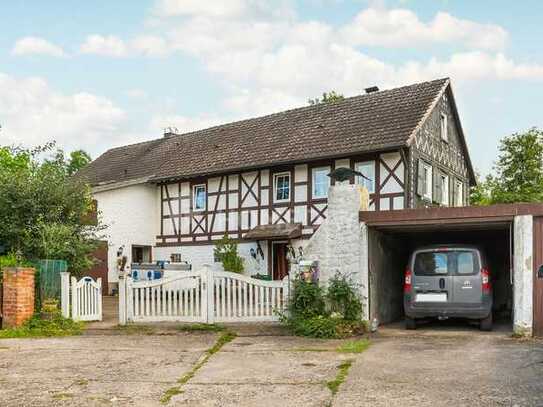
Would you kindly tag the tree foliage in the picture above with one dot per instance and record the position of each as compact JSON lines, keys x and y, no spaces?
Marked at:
{"x":327,"y":97}
{"x":226,"y":251}
{"x":43,"y":208}
{"x":518,"y":173}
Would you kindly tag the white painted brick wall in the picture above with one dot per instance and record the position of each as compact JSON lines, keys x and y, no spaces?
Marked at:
{"x":131,"y":214}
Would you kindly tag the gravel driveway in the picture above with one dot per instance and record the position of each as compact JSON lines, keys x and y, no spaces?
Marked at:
{"x":424,"y":368}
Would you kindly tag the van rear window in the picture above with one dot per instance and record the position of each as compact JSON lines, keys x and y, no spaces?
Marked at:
{"x":462,"y":262}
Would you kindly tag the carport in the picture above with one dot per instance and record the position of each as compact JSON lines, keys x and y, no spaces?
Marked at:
{"x":511,"y":235}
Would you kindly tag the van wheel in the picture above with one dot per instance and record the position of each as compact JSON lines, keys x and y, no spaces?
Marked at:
{"x":486,"y":323}
{"x":410,"y":323}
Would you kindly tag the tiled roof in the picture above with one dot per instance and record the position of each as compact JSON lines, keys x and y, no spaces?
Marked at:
{"x":370,"y":122}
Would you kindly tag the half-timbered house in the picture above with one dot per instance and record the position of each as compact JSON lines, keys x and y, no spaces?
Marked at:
{"x":264,"y":182}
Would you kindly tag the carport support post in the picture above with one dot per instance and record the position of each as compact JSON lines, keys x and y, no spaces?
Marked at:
{"x":523,"y":275}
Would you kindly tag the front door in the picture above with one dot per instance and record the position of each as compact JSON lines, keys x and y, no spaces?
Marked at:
{"x":100,"y":267}
{"x":279,"y":258}
{"x":538,"y":276}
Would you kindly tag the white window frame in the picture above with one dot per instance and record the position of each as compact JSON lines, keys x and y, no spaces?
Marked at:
{"x":194,"y":197}
{"x":458,"y":199}
{"x":444,"y":129}
{"x":444,"y":179}
{"x":314,"y":172}
{"x":428,"y":182}
{"x":362,"y":181}
{"x":275,"y":176}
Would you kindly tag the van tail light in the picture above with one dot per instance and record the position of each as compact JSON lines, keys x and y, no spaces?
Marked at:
{"x":407,"y":286}
{"x":485,"y":280}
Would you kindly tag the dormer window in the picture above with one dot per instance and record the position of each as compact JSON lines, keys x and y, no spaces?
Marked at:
{"x":444,"y":127}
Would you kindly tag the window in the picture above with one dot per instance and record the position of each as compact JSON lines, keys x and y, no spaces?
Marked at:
{"x":199,"y":198}
{"x":467,"y":263}
{"x":458,"y":198}
{"x":450,"y":262}
{"x":424,"y":181}
{"x":444,"y":183}
{"x":431,"y":263}
{"x":368,"y":169}
{"x":281,"y":187}
{"x":444,"y":128}
{"x":321,"y":182}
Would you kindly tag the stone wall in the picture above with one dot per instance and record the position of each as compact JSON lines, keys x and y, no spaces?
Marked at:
{"x":340,"y":243}
{"x":18,"y":296}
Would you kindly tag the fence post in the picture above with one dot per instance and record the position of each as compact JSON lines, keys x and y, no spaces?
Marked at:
{"x":75,"y":305}
{"x":129,"y":299}
{"x":99,"y":299}
{"x":286,"y":291}
{"x":210,"y":289}
{"x":122,"y":299}
{"x":65,"y":294}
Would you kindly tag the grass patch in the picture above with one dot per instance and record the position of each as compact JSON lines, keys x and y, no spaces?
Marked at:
{"x":36,"y":327}
{"x":225,"y":337}
{"x":343,"y":370}
{"x":200,"y":328}
{"x":354,"y":346}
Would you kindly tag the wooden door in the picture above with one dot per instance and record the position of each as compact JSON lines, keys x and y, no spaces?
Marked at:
{"x":538,"y":276}
{"x":100,"y":268}
{"x":280,"y":263}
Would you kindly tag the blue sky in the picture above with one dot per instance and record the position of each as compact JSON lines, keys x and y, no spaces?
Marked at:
{"x":103,"y":74}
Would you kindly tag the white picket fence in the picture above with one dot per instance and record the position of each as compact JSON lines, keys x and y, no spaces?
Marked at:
{"x":201,"y":296}
{"x":81,"y":300}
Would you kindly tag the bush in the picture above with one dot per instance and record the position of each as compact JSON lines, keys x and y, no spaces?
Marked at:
{"x":226,"y":251}
{"x":335,"y":313}
{"x":343,"y":299}
{"x":307,"y":300}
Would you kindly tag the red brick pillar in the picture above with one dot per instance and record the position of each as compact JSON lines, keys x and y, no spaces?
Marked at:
{"x":18,"y":296}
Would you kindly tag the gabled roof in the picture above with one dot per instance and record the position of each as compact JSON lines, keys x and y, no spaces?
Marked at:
{"x":372,"y":122}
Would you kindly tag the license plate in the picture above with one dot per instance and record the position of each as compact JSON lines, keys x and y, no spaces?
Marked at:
{"x":431,"y":297}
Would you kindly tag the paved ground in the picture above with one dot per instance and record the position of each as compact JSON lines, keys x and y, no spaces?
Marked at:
{"x":437,"y":367}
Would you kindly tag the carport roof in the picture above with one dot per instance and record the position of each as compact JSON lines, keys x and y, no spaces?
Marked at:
{"x":467,"y":216}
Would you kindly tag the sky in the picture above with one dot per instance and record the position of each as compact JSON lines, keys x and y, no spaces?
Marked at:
{"x":101,"y":74}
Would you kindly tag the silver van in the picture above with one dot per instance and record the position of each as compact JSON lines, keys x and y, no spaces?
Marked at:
{"x":448,"y":281}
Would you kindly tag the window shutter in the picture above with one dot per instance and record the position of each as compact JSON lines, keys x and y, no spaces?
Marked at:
{"x":437,"y":192}
{"x":420,"y":179}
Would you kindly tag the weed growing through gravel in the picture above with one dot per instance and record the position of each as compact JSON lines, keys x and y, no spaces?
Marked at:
{"x":354,"y":346}
{"x":225,"y":337}
{"x":200,"y":328}
{"x":343,"y":370}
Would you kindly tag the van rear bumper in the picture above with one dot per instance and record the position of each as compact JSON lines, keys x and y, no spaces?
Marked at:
{"x":471,"y":311}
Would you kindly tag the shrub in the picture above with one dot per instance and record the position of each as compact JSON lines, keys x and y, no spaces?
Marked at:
{"x":226,"y":251}
{"x":307,"y":300}
{"x":335,"y":313}
{"x":343,"y":299}
{"x":36,"y":327}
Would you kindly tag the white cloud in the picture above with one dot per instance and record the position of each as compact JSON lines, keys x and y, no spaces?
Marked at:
{"x":37,"y":46}
{"x":136,"y":93}
{"x":108,"y":45}
{"x":112,"y":46}
{"x":402,"y":27}
{"x":33,"y":113}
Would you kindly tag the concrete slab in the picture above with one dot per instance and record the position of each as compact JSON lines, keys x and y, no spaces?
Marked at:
{"x":125,"y":369}
{"x":253,"y":395}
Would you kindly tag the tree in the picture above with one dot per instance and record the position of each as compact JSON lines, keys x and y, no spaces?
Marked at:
{"x":43,"y":209}
{"x":329,"y":97}
{"x":226,"y":251}
{"x":518,"y":172}
{"x":78,"y":160}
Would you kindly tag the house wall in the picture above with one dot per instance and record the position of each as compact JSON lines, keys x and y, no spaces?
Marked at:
{"x":237,"y":202}
{"x":131,"y":216}
{"x":523,"y":275}
{"x":446,"y":156}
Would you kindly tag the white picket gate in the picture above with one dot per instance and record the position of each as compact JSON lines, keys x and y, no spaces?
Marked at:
{"x":82,"y":300}
{"x":201,"y":296}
